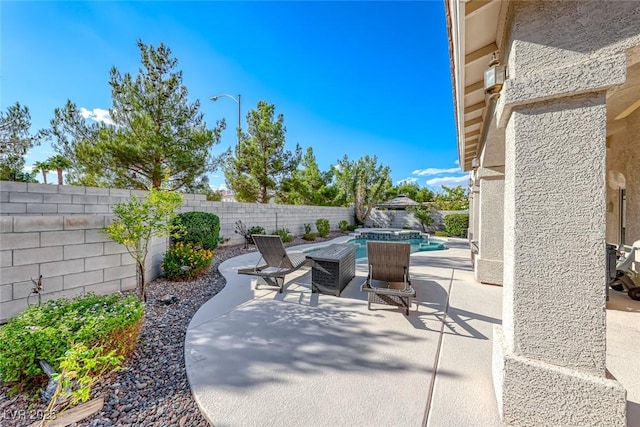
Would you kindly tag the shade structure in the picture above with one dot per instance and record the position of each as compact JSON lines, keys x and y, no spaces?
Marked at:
{"x":401,"y":201}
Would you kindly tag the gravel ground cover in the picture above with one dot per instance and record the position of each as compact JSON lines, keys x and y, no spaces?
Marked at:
{"x":153,"y":390}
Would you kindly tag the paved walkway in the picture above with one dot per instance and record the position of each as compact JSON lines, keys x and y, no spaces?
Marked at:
{"x":259,"y":358}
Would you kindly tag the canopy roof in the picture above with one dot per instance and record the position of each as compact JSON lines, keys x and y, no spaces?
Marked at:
{"x":399,"y":202}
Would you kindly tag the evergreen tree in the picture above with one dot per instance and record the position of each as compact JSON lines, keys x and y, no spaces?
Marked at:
{"x":15,"y":140}
{"x":157,"y":139}
{"x":309,"y":185}
{"x":260,"y":164}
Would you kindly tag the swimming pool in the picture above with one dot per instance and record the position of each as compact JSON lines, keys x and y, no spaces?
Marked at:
{"x":417,"y":245}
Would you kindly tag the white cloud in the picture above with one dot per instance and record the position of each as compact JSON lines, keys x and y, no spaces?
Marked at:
{"x":97,"y":115}
{"x":407,"y":181}
{"x":221,"y":187}
{"x":457,"y":162}
{"x":434,"y":171}
{"x":28,"y":169}
{"x":449,"y":181}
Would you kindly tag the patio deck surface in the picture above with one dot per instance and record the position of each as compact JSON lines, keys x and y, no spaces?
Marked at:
{"x":256,"y":357}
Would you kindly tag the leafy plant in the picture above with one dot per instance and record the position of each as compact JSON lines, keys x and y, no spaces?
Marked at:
{"x":137,"y":221}
{"x":457,"y":224}
{"x":452,"y":198}
{"x":362,"y":182}
{"x":185,"y":260}
{"x":245,"y":232}
{"x":202,"y":229}
{"x":441,"y":233}
{"x":345,"y":227}
{"x":81,"y":368}
{"x":48,"y":331}
{"x":284,"y":234}
{"x":256,"y":229}
{"x":323,"y":227}
{"x":308,"y":235}
{"x":424,"y":215}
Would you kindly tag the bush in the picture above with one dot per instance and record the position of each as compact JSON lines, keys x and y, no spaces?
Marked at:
{"x":49,"y":331}
{"x":308,"y":235}
{"x":345,"y":227}
{"x":185,"y":261}
{"x":202,"y":229}
{"x":256,"y":229}
{"x":441,"y":233}
{"x":323,"y":227}
{"x":457,"y":224}
{"x":245,"y":232}
{"x":284,"y":234}
{"x":424,"y":215}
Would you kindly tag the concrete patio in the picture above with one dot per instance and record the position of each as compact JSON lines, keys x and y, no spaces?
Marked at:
{"x":256,"y":357}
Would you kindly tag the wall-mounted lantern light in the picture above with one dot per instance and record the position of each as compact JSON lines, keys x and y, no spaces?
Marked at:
{"x":475,"y":163}
{"x":495,"y":76}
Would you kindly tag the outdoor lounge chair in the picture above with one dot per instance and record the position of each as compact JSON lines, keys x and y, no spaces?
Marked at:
{"x":279,"y":263}
{"x":388,"y":281}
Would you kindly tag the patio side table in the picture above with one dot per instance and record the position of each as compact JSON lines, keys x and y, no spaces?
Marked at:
{"x":333,"y":268}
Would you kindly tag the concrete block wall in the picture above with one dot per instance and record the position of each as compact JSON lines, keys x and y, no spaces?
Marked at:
{"x":70,"y":252}
{"x":19,"y":199}
{"x":54,"y":231}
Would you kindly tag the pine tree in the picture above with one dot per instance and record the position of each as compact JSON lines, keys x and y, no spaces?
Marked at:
{"x":157,"y":139}
{"x":260,"y":164}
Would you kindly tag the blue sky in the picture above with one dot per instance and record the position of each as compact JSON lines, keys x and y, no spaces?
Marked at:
{"x":350,"y":78}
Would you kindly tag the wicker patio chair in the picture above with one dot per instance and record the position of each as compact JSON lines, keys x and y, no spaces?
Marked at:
{"x":388,"y":281}
{"x":279,"y":263}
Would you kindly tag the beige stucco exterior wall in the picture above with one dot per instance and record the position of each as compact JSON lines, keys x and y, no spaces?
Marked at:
{"x":549,"y":360}
{"x":488,"y":265}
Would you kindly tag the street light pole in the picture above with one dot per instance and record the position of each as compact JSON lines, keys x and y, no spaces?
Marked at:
{"x":237,"y":101}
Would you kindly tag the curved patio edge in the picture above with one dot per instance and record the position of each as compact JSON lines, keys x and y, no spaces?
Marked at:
{"x":258,"y":357}
{"x":236,"y":293}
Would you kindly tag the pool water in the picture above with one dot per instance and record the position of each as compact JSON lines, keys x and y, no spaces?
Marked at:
{"x":417,"y":245}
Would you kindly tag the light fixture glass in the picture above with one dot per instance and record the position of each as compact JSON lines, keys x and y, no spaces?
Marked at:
{"x":495,"y":76}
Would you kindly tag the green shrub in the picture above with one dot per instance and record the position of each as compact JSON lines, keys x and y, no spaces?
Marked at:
{"x":284,"y":234}
{"x":323,"y":227}
{"x":245,"y":232}
{"x":424,"y":215}
{"x":202,"y":229}
{"x":256,"y":229}
{"x":345,"y":227}
{"x":185,"y":261}
{"x":457,"y":224}
{"x":442,"y":233}
{"x":48,"y":332}
{"x":308,"y":235}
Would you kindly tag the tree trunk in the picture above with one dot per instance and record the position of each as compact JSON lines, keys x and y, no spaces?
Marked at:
{"x":44,"y":176}
{"x":59,"y":176}
{"x":142,"y":294}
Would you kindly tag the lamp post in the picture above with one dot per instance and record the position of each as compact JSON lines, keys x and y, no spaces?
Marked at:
{"x":237,"y":101}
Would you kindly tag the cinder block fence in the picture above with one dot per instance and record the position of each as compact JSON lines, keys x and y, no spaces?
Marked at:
{"x":55,"y":231}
